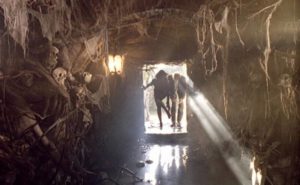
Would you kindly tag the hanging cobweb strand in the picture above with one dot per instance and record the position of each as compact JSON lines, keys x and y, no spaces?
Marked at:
{"x":264,"y":62}
{"x":294,"y":17}
{"x":226,"y":27}
{"x":207,"y":18}
{"x":267,"y":52}
{"x":205,"y":33}
{"x":237,"y":28}
{"x":213,"y":45}
{"x":16,"y":20}
{"x":201,"y":31}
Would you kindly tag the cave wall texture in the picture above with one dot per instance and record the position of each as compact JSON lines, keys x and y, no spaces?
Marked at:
{"x":259,"y":96}
{"x":243,"y":55}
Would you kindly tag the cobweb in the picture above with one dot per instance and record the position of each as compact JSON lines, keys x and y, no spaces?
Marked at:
{"x":16,"y":19}
{"x":58,"y":18}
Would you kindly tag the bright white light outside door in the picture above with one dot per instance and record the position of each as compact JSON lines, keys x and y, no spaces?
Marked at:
{"x":150,"y":114}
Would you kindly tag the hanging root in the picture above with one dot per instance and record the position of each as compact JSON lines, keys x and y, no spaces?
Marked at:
{"x":264,"y":63}
{"x":237,"y":29}
{"x":204,"y":21}
{"x":267,"y":51}
{"x":225,"y":60}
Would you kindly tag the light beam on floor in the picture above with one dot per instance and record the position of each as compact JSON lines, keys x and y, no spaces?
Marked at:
{"x":219,"y":132}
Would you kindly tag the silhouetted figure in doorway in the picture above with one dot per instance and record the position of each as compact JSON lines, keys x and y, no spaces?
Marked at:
{"x":181,"y":92}
{"x":173,"y":96}
{"x":160,"y":83}
{"x":177,"y":92}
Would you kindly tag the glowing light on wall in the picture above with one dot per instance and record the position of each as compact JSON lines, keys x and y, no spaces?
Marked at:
{"x":115,"y":64}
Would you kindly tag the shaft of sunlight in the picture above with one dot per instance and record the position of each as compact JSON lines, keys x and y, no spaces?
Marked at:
{"x":220,"y":133}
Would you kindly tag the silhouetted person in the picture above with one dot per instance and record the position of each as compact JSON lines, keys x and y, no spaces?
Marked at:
{"x":181,"y":92}
{"x":177,"y":91}
{"x":173,"y":96}
{"x":160,"y":83}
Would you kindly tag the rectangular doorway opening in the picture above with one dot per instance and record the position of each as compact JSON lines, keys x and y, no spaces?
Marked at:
{"x":152,"y":125}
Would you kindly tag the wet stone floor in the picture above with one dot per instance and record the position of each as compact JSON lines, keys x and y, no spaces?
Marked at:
{"x":186,"y":157}
{"x":171,"y":160}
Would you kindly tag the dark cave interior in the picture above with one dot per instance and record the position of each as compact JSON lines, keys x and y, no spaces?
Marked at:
{"x":67,"y":117}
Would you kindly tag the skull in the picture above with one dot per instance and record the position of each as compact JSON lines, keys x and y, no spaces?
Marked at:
{"x":87,"y":77}
{"x":60,"y":75}
{"x":51,"y":62}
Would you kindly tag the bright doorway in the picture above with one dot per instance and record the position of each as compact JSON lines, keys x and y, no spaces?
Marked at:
{"x":150,"y":114}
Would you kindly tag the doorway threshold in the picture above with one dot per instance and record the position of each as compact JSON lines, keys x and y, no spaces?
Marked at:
{"x":167,"y":129}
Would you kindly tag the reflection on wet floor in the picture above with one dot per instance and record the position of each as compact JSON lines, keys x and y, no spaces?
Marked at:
{"x":152,"y":126}
{"x":164,"y":164}
{"x":167,"y":161}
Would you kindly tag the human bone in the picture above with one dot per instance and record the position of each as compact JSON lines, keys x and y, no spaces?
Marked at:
{"x":60,"y":75}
